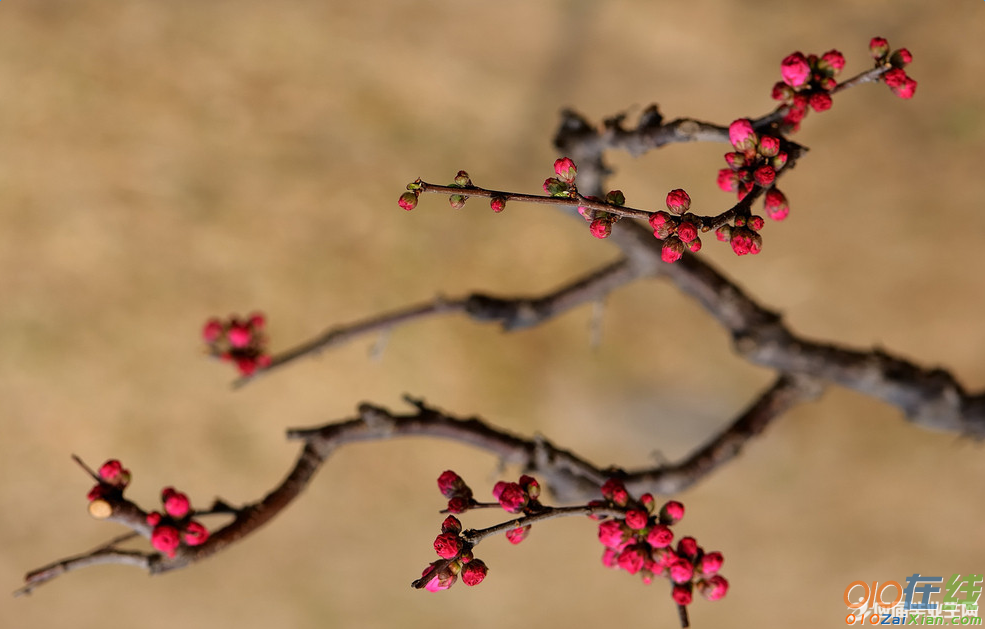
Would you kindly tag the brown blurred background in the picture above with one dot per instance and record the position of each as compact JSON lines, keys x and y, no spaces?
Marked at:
{"x":164,"y":162}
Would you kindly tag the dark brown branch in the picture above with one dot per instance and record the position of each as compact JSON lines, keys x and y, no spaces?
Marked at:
{"x":512,"y":313}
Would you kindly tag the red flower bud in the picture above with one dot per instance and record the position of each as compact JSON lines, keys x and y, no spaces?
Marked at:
{"x":195,"y":534}
{"x":764,"y":175}
{"x":820,"y":101}
{"x":498,"y":204}
{"x":672,"y":251}
{"x":658,"y":219}
{"x":448,"y":545}
{"x":682,"y":594}
{"x":878,"y":47}
{"x":901,"y":58}
{"x":795,"y":70}
{"x":636,"y":519}
{"x":176,"y":504}
{"x":713,"y":588}
{"x":165,"y":539}
{"x":474,"y":572}
{"x":513,"y":498}
{"x":531,"y":486}
{"x":515,"y":536}
{"x":452,"y":525}
{"x":612,"y":534}
{"x":687,"y":547}
{"x":678,"y":201}
{"x":457,"y":201}
{"x":681,"y":571}
{"x":212,"y":330}
{"x":601,"y":227}
{"x":565,"y":169}
{"x":113,"y":473}
{"x":711,"y":563}
{"x":781,"y":91}
{"x":450,"y":484}
{"x":833,"y":60}
{"x":631,"y":559}
{"x":660,"y":536}
{"x":687,"y":231}
{"x":671,"y":512}
{"x":459,"y":505}
{"x":769,"y":146}
{"x":407,"y":201}
{"x":742,"y":135}
{"x":775,"y":205}
{"x":728,"y":181}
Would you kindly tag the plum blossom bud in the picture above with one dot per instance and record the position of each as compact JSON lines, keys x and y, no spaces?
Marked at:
{"x":631,"y":559}
{"x":498,"y":204}
{"x":239,"y":334}
{"x":681,"y":571}
{"x":658,"y":218}
{"x":745,"y":241}
{"x":901,"y":58}
{"x":407,"y":201}
{"x":728,"y":180}
{"x":775,"y":205}
{"x":682,"y":594}
{"x":671,"y":512}
{"x":451,"y":484}
{"x":834,"y":60}
{"x":176,"y":504}
{"x":615,"y":197}
{"x":660,"y":536}
{"x":565,"y":169}
{"x":555,"y":187}
{"x":195,"y":534}
{"x":513,"y":498}
{"x":781,"y":91}
{"x":113,"y":473}
{"x":636,"y":519}
{"x":820,"y":101}
{"x":614,"y":490}
{"x":448,"y":545}
{"x":515,"y":536}
{"x":711,"y":563}
{"x":755,"y":223}
{"x":457,"y":201}
{"x":907,"y":89}
{"x":165,"y":539}
{"x":769,"y":146}
{"x":687,"y":231}
{"x":612,"y":534}
{"x":687,"y":547}
{"x":764,"y":175}
{"x":742,"y":135}
{"x":724,"y":233}
{"x":735,"y":160}
{"x":672,"y":250}
{"x":474,"y":572}
{"x":648,"y":502}
{"x":212,"y":330}
{"x":780,"y":161}
{"x":694,"y":246}
{"x":878,"y":47}
{"x":713,"y":588}
{"x":610,"y":558}
{"x":795,"y":70}
{"x":443,"y":580}
{"x":458,"y":505}
{"x":601,"y":227}
{"x":154,"y":518}
{"x":530,"y":485}
{"x":451,"y":525}
{"x":462,"y":179}
{"x":678,"y":201}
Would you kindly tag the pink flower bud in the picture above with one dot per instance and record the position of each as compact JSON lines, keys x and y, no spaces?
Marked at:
{"x":212,"y":330}
{"x":672,"y":250}
{"x":631,"y":559}
{"x":745,"y":241}
{"x":795,"y":70}
{"x":833,"y":60}
{"x":613,"y":534}
{"x":694,"y":246}
{"x":97,"y":492}
{"x":513,"y":498}
{"x":657,"y":219}
{"x":764,"y":175}
{"x":724,"y":233}
{"x":498,"y":204}
{"x":407,"y":201}
{"x":735,"y":160}
{"x":728,"y":181}
{"x":878,"y":47}
{"x":775,"y":205}
{"x":769,"y":146}
{"x":239,"y":334}
{"x":678,"y":201}
{"x":755,"y":223}
{"x":901,"y":58}
{"x":565,"y":169}
{"x":681,"y":594}
{"x":711,"y":563}
{"x":820,"y":101}
{"x":462,"y":179}
{"x":451,"y":525}
{"x":448,"y":545}
{"x":779,"y":161}
{"x":687,"y":231}
{"x":742,"y":135}
{"x":457,"y":201}
{"x":660,"y":536}
{"x":165,"y":539}
{"x":459,"y":504}
{"x":530,"y":485}
{"x":687,"y":547}
{"x":907,"y":89}
{"x":610,"y":558}
{"x":515,"y":536}
{"x":672,"y":511}
{"x":195,"y":534}
{"x":648,"y":502}
{"x":246,"y":365}
{"x":450,"y":484}
{"x":681,"y":571}
{"x":474,"y":572}
{"x":443,"y":580}
{"x":601,"y":227}
{"x":614,"y":491}
{"x":555,"y":187}
{"x":636,"y":519}
{"x":781,"y":91}
{"x":154,"y":518}
{"x":256,"y":321}
{"x":713,"y":588}
{"x":176,"y":504}
{"x":113,"y":473}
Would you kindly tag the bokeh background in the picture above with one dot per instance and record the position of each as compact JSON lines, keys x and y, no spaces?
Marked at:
{"x":164,"y":162}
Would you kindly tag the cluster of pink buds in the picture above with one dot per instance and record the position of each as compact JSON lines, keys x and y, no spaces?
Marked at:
{"x":807,"y":82}
{"x":896,"y":78}
{"x":169,"y":529}
{"x":459,"y":494}
{"x":241,"y":342}
{"x":519,"y":497}
{"x":456,"y":559}
{"x":175,"y":525}
{"x":642,"y":542}
{"x":678,"y":229}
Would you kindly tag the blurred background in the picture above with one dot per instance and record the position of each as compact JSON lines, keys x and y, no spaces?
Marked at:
{"x":161,"y":163}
